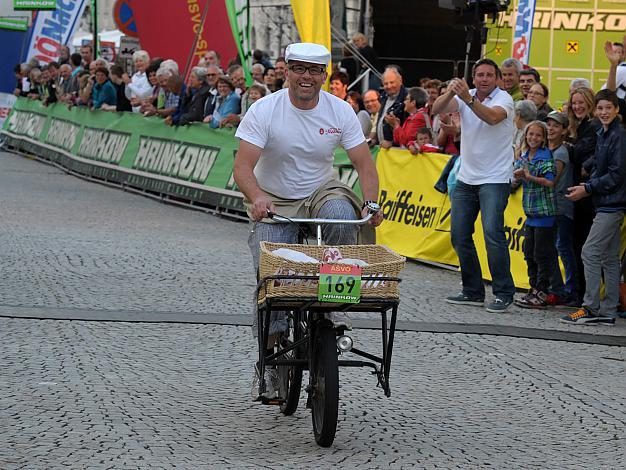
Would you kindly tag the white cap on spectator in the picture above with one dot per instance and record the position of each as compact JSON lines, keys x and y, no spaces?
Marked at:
{"x":307,"y":52}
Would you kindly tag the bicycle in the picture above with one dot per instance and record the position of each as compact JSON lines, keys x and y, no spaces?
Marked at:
{"x":312,"y":343}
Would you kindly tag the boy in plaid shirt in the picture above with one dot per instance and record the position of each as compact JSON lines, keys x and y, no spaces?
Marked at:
{"x":536,"y":171}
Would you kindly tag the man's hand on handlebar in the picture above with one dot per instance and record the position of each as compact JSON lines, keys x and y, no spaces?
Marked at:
{"x":260,"y":207}
{"x":377,"y":217}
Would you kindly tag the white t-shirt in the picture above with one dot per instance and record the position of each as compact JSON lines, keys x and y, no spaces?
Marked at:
{"x":486,"y":150}
{"x":298,"y":145}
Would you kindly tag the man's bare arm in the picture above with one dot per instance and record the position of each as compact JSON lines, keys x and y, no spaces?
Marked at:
{"x":243,"y":171}
{"x":445,"y":103}
{"x":489,"y":115}
{"x":361,"y":159}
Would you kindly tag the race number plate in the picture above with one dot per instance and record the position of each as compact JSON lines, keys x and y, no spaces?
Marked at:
{"x":340,"y":283}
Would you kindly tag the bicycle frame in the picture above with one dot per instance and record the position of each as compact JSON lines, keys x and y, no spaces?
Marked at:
{"x":311,"y":310}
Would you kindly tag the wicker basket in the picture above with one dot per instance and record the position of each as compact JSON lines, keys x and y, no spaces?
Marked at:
{"x":382,"y":262}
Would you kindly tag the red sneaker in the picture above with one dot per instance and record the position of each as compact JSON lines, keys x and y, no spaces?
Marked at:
{"x":554,"y":300}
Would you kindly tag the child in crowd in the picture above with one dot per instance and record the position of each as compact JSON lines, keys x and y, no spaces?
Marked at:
{"x":256,"y":93}
{"x":607,"y":187}
{"x":536,"y":171}
{"x":423,"y":142}
{"x":558,"y":125}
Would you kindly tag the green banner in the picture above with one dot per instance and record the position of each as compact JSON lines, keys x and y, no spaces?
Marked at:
{"x":14,"y":24}
{"x":193,"y":163}
{"x":567,"y":41}
{"x":34,"y":4}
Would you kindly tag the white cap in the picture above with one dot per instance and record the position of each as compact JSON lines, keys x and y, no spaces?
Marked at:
{"x":307,"y":52}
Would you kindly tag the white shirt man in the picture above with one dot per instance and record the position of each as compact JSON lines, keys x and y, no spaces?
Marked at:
{"x":483,"y":182}
{"x":285,"y":160}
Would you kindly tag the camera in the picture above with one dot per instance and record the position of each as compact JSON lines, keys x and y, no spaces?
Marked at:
{"x":471,"y":10}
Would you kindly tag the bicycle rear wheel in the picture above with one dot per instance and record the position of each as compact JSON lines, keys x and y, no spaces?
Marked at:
{"x":325,"y":390}
{"x":290,"y":377}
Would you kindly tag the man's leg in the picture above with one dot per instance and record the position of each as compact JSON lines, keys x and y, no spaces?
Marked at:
{"x":277,"y":233}
{"x":338,"y":234}
{"x":611,"y":267}
{"x":494,"y":198}
{"x":529,"y":255}
{"x":565,"y":247}
{"x":464,"y":210}
{"x":598,"y":242}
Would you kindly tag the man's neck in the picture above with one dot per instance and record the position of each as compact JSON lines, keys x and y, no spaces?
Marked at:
{"x":304,"y":105}
{"x":483,"y":95}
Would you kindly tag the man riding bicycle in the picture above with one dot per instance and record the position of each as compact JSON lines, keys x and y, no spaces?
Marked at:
{"x":285,"y":162}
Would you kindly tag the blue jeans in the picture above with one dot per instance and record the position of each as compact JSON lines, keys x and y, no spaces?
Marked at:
{"x":565,"y":247}
{"x":491,"y":200}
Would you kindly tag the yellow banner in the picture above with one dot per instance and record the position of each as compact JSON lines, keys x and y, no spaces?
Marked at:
{"x":417,"y":217}
{"x":313,"y":23}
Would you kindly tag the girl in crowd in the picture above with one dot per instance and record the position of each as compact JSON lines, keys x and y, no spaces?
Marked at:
{"x":582,"y":135}
{"x":538,"y":94}
{"x":536,"y":171}
{"x":557,"y":124}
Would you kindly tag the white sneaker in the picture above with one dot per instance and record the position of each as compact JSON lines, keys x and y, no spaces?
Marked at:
{"x":341,"y":321}
{"x":272,"y":386}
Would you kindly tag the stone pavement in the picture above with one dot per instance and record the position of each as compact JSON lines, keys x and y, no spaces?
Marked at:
{"x":164,"y":395}
{"x":130,"y":395}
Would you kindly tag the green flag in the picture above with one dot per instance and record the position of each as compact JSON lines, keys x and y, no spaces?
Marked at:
{"x":239,"y":17}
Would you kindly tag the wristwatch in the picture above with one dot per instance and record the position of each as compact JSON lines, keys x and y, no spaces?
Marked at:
{"x":470,"y":103}
{"x":372,"y":206}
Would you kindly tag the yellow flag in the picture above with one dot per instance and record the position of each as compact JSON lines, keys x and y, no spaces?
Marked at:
{"x":313,"y":22}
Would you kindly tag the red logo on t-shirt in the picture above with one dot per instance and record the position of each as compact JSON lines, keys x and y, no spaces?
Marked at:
{"x":330,"y":130}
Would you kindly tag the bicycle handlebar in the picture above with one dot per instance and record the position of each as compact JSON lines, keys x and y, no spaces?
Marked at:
{"x":372,"y":209}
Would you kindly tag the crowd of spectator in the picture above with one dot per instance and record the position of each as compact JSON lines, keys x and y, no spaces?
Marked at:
{"x":390,"y":114}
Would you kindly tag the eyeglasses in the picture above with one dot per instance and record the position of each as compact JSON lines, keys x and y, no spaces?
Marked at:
{"x":313,"y":69}
{"x":211,"y":74}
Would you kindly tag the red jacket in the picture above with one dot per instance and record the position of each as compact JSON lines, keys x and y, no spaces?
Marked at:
{"x":408,"y":131}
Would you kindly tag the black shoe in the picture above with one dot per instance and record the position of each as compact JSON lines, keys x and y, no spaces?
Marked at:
{"x":462,"y":299}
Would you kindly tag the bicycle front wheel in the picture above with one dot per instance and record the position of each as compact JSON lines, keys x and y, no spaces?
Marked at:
{"x":325,"y":390}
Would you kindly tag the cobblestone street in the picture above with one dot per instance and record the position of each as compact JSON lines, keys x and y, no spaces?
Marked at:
{"x":135,"y":395}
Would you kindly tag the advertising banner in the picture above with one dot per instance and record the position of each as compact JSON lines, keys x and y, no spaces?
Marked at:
{"x":417,"y":217}
{"x":54,"y":28}
{"x":523,"y":30}
{"x":14,"y":24}
{"x":568,"y":40}
{"x":34,"y":4}
{"x":180,"y":26}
